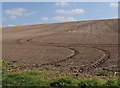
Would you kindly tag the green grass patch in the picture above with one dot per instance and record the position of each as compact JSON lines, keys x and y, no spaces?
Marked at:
{"x":104,"y":73}
{"x":45,"y":79}
{"x":21,"y":80}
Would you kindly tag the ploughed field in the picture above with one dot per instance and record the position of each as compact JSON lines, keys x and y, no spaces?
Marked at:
{"x":79,"y":47}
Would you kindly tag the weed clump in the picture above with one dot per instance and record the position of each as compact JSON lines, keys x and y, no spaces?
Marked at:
{"x":90,"y":83}
{"x":112,"y":83}
{"x":61,"y":83}
{"x":104,"y":73}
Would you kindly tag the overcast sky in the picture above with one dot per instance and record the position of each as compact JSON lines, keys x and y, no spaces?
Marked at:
{"x":26,"y":13}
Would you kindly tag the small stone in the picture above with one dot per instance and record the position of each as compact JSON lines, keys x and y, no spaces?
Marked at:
{"x":13,"y":61}
{"x":76,"y":74}
{"x":57,"y":65}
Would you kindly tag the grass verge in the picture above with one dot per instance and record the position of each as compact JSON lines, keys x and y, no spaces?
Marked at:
{"x":44,"y":79}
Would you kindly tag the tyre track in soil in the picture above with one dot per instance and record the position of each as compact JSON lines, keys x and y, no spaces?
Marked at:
{"x":75,"y":52}
{"x":98,"y":63}
{"x":80,"y":69}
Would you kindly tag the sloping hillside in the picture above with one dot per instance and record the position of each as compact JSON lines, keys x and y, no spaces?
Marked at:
{"x":74,"y":46}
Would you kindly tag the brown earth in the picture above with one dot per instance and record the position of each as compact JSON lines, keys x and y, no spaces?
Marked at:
{"x":80,"y":47}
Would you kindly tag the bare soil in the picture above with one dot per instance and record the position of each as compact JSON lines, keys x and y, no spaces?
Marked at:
{"x":78,"y":47}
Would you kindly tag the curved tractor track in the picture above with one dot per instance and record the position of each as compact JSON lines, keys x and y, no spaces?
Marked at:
{"x":75,"y":52}
{"x":79,"y":69}
{"x":93,"y":36}
{"x":98,"y":63}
